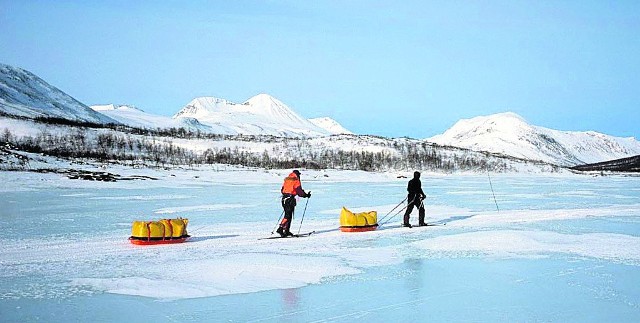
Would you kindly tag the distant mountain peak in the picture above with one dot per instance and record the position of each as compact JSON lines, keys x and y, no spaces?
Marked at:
{"x":263,"y":99}
{"x":209,"y":101}
{"x":508,"y":133}
{"x":261,"y":114}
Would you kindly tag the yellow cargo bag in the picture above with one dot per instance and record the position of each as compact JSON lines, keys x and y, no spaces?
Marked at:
{"x":166,"y":228}
{"x":175,"y":228}
{"x":350,"y":219}
{"x":142,"y":229}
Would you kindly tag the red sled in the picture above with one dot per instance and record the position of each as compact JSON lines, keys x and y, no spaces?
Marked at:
{"x":359,"y":228}
{"x":154,"y":241}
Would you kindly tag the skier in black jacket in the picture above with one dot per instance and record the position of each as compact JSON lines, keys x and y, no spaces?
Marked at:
{"x":415,"y":198}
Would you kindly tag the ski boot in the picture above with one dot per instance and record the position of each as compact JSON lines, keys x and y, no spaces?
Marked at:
{"x":407,"y":225}
{"x":281,"y":232}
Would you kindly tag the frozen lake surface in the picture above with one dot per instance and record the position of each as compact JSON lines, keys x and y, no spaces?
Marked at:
{"x":561,"y":248}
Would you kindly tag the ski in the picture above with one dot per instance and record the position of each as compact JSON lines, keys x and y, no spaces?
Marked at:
{"x":293,"y":236}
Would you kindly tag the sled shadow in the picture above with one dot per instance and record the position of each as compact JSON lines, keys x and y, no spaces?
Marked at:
{"x":388,"y":226}
{"x":204,"y":238}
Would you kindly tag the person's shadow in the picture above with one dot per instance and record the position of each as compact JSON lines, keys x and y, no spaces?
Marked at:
{"x":454,"y":218}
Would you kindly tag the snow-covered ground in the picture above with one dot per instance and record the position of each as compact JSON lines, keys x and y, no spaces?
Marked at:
{"x":560,"y":248}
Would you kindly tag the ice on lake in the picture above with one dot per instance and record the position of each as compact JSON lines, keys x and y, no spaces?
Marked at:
{"x":560,"y":248}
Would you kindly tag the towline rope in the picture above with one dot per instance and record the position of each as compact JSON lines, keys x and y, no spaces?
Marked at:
{"x":492,"y":192}
{"x":384,"y":217}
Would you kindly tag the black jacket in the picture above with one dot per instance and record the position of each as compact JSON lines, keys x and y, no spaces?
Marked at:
{"x":415,"y":189}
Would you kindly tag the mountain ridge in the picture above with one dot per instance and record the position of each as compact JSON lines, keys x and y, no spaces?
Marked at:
{"x":24,"y":94}
{"x":260,"y":114}
{"x":136,"y":117}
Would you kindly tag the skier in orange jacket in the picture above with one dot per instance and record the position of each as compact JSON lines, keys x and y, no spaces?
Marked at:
{"x":290,"y":189}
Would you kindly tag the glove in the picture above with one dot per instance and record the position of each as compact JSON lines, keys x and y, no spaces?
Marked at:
{"x":308,"y":194}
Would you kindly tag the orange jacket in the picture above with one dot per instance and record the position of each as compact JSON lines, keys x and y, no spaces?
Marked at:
{"x":292,"y":186}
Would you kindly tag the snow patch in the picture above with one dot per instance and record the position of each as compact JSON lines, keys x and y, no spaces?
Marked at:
{"x":511,"y":243}
{"x":227,"y":274}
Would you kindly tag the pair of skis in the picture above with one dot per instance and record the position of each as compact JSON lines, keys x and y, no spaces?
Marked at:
{"x":306,"y":234}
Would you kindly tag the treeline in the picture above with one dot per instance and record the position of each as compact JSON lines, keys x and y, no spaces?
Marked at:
{"x":103,"y":146}
{"x":629,"y":164}
{"x":159,"y":148}
{"x":181,"y":132}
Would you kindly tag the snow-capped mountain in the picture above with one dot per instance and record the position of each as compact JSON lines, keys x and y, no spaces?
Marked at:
{"x":260,"y":115}
{"x":24,"y":94}
{"x":135,"y":117}
{"x":330,"y":125}
{"x":509,"y":134}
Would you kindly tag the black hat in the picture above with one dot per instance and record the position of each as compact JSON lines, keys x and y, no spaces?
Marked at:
{"x":297,"y":172}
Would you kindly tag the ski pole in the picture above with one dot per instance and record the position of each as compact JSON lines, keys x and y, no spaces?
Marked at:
{"x":277,"y":223}
{"x":391,"y":218}
{"x":393,"y":209}
{"x":198,"y":229}
{"x":303,"y":212}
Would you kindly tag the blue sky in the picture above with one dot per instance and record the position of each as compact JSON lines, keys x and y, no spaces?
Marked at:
{"x":390,"y":68}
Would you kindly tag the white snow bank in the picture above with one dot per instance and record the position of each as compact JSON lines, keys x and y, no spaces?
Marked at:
{"x":483,"y":219}
{"x":226,"y":274}
{"x":509,"y":243}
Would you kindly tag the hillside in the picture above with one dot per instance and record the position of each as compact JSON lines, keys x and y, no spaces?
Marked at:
{"x":152,"y":148}
{"x":509,"y":134}
{"x":24,"y":94}
{"x":137,"y":118}
{"x":630,"y":164}
{"x":330,"y":125}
